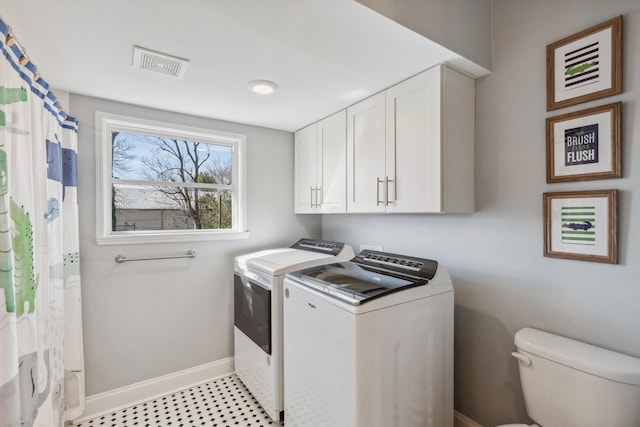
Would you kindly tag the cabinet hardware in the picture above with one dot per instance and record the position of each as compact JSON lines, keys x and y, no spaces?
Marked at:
{"x":387,"y":181}
{"x":313,"y":202}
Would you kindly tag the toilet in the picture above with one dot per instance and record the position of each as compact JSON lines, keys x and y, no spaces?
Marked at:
{"x":570,"y":383}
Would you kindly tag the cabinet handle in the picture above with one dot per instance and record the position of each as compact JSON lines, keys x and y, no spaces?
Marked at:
{"x":311,"y":197}
{"x":386,"y":197}
{"x":318,"y":191}
{"x":378,"y":182}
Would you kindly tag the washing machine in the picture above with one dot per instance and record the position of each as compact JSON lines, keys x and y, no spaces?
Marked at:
{"x":258,"y":279}
{"x":369,"y":343}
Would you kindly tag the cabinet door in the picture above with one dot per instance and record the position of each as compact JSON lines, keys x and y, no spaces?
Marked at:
{"x":413,"y":156}
{"x":332,"y":163}
{"x":306,"y":169}
{"x":365,"y":155}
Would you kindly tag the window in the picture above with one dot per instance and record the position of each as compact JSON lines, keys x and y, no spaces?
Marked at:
{"x":167,"y":183}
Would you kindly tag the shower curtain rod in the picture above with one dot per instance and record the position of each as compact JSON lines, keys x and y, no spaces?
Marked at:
{"x":17,"y":54}
{"x":11,"y":40}
{"x":120,"y":258}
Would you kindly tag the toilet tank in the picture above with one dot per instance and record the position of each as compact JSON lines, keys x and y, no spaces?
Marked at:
{"x":570,"y":383}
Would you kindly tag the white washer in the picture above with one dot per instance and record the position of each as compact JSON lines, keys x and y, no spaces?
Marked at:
{"x":369,"y":343}
{"x":258,"y":279}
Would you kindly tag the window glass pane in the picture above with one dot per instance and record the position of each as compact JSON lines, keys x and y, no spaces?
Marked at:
{"x":145,"y":208}
{"x":164,"y":183}
{"x":153,"y":158}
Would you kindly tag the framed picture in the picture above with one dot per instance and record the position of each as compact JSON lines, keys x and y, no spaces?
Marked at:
{"x":585,"y":66}
{"x":581,"y":225}
{"x":584,"y":145}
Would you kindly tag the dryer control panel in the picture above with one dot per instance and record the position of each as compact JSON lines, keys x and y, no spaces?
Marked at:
{"x":323,"y":246}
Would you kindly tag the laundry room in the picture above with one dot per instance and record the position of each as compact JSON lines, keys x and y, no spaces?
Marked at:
{"x":177,"y":179}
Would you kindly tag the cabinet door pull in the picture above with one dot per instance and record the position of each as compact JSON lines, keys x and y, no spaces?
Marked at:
{"x":311,"y":197}
{"x":378,"y":182}
{"x":318,"y":198}
{"x":386,"y":197}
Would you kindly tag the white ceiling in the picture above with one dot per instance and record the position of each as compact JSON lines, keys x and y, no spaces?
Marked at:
{"x":324,"y":54}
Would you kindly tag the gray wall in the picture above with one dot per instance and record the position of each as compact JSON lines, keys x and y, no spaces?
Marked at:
{"x":502,"y":281}
{"x":146,"y":319}
{"x":463,"y":26}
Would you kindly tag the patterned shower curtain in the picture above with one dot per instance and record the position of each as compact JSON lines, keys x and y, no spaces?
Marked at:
{"x":41,"y":358}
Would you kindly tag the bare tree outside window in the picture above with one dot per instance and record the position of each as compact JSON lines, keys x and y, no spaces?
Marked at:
{"x":177,"y":178}
{"x":121,"y":155}
{"x":160,"y":182}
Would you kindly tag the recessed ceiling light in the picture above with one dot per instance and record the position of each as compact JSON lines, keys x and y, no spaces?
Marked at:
{"x":263,"y":87}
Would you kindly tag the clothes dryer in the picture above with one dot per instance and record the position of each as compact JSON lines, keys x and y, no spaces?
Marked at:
{"x":258,"y":279}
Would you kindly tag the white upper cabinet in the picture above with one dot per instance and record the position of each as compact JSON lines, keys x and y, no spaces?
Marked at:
{"x":366,"y":155}
{"x":320,"y":166}
{"x":306,"y":169}
{"x":411,"y":148}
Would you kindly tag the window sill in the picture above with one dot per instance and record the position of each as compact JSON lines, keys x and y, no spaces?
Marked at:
{"x":133,"y":238}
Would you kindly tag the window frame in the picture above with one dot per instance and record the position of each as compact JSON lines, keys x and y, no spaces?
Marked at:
{"x":106,"y":123}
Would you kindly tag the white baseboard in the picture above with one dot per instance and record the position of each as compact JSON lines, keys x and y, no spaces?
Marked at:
{"x":460,"y":420}
{"x":120,"y":398}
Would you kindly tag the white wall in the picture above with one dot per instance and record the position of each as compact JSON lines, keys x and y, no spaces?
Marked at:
{"x":501,"y":279}
{"x":145,"y":319}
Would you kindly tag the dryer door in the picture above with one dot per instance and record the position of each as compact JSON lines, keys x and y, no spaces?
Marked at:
{"x":252,"y":310}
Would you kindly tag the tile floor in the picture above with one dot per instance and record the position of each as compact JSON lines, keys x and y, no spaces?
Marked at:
{"x":223,"y":402}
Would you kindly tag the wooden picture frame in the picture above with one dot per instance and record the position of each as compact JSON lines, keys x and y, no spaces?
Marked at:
{"x":585,"y":145}
{"x":581,"y":225}
{"x":585,"y":66}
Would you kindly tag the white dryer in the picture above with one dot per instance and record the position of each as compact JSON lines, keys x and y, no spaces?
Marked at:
{"x":258,"y":279}
{"x":369,"y":343}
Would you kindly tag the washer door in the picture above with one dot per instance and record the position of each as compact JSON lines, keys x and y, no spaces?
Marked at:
{"x":252,"y":311}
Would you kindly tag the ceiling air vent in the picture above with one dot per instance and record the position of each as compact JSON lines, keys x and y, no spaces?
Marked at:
{"x":172,"y":66}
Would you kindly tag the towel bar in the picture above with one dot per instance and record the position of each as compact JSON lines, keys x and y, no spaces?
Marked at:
{"x":189,"y":254}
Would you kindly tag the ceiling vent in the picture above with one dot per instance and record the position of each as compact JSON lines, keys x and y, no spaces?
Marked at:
{"x":172,"y":66}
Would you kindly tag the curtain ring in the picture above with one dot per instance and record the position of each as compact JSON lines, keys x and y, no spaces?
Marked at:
{"x":23,"y":59}
{"x":36,"y":77}
{"x":10,"y":40}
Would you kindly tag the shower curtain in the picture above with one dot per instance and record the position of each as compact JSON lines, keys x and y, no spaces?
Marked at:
{"x":41,"y":359}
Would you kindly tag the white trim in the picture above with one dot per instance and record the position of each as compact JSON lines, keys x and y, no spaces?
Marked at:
{"x":124,"y":397}
{"x":460,"y":420}
{"x":106,"y":122}
{"x":131,"y":239}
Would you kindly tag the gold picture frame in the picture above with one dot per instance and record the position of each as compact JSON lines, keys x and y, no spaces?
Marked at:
{"x":584,"y":145}
{"x":581,"y":225}
{"x":585,"y":66}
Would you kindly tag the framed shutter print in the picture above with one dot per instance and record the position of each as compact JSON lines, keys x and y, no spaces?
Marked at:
{"x":584,"y":145}
{"x":585,"y":66}
{"x":581,"y":225}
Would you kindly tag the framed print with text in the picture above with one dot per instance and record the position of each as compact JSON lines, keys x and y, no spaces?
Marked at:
{"x":584,"y":145}
{"x":581,"y":225}
{"x":585,"y":66}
